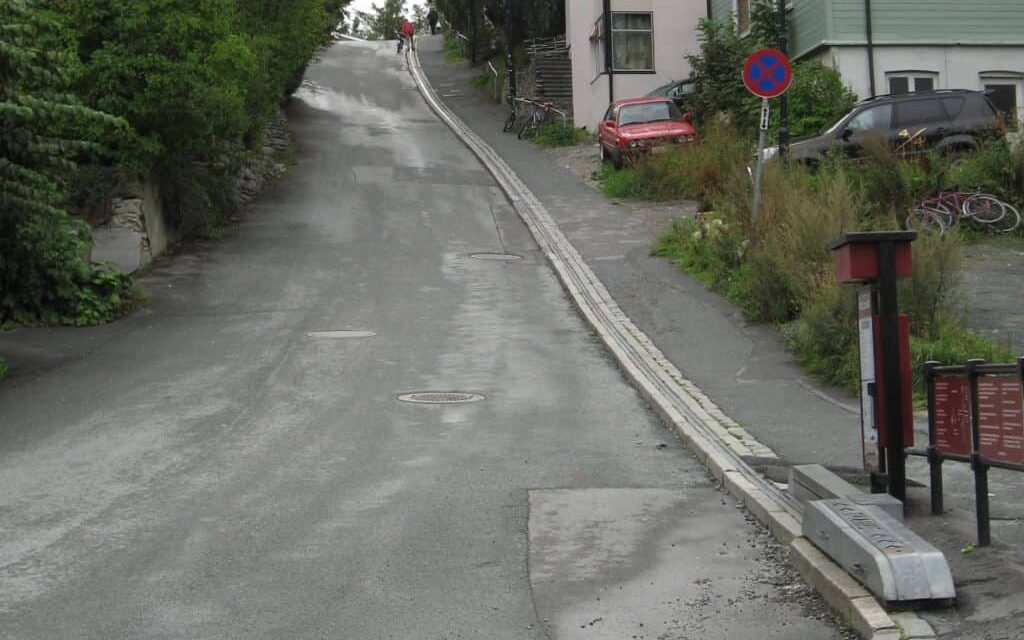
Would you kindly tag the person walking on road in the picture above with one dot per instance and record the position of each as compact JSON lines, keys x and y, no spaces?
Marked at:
{"x":408,"y":31}
{"x":432,"y":18}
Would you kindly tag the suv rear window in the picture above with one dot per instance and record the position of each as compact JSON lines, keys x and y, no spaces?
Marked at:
{"x":979,"y":107}
{"x":953,"y":106}
{"x":920,"y":112}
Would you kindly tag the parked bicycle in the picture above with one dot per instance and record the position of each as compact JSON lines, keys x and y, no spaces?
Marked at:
{"x":951,"y":208}
{"x":536,"y":117}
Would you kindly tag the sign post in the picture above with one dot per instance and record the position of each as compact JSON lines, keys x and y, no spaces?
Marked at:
{"x":766,"y":74}
{"x":876,"y":260}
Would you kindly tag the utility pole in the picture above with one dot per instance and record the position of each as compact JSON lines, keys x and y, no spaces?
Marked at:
{"x":783,"y":102}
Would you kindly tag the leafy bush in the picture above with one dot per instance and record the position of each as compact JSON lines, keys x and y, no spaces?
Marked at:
{"x":817,"y":96}
{"x":690,"y":171}
{"x":556,"y":134}
{"x":45,"y":275}
{"x":996,"y":168}
{"x":784,"y":275}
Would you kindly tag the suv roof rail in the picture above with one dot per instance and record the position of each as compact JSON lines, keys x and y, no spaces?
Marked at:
{"x":917,"y":94}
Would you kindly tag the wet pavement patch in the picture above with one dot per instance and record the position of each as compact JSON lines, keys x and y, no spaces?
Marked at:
{"x":440,"y":397}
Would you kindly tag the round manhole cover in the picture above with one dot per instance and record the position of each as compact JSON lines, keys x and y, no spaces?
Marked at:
{"x":341,"y":334}
{"x":501,"y":257}
{"x":440,"y":397}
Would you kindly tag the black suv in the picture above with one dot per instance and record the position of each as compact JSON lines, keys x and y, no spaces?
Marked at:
{"x":948,"y":120}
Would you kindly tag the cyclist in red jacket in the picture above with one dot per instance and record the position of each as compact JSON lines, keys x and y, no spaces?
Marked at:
{"x":408,"y":31}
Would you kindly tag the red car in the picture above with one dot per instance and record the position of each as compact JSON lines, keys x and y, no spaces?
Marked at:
{"x":640,"y":125}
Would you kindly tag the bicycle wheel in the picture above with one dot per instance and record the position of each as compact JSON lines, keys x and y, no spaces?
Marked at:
{"x":926,"y":219}
{"x":946,"y":208}
{"x":530,"y":127}
{"x":984,"y":209}
{"x":1010,"y":220}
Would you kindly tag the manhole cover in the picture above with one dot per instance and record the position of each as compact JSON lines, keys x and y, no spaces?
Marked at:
{"x":341,"y":334}
{"x":507,"y":257}
{"x":440,"y":397}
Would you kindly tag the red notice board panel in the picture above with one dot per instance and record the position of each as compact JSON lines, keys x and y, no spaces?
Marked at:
{"x":952,"y":415}
{"x":1001,"y":420}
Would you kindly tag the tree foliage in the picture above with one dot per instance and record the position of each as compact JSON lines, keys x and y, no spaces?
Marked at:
{"x":524,"y":19}
{"x":187,"y":83}
{"x":385,"y":20}
{"x":44,"y":272}
{"x":816,"y":97}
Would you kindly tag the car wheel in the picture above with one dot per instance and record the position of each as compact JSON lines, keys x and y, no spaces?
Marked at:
{"x":617,"y":159}
{"x":602,"y":156}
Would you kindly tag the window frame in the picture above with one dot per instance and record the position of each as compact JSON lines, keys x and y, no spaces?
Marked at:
{"x":649,"y":32}
{"x":1006,"y":78}
{"x":912,"y":76}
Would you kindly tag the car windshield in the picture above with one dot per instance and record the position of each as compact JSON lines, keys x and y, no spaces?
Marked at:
{"x":648,"y":112}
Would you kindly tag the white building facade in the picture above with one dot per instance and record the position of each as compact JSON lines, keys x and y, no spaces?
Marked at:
{"x":649,"y":41}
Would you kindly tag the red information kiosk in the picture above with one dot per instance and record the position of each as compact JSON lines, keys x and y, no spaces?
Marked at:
{"x":876,"y":260}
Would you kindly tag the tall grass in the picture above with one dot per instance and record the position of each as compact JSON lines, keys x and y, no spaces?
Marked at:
{"x":782,"y":273}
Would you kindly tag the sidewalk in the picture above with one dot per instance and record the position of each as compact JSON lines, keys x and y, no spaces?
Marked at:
{"x":745,"y":369}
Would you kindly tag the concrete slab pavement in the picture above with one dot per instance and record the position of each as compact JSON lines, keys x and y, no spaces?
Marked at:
{"x":746,"y":370}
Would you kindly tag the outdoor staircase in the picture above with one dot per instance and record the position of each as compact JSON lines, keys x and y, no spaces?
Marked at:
{"x":552,"y":72}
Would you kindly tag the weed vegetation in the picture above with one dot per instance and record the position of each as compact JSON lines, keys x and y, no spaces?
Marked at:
{"x":556,"y":134}
{"x":782,"y":272}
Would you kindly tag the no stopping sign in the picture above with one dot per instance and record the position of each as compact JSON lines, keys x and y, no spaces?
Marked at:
{"x":767,"y":73}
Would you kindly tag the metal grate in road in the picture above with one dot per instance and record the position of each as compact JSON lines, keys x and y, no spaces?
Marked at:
{"x":341,"y":334}
{"x":506,"y":257}
{"x":440,"y":397}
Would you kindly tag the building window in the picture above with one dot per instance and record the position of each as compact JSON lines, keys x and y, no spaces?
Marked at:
{"x":1005,"y":94}
{"x":633,"y":42}
{"x":911,"y":81}
{"x":741,"y":8}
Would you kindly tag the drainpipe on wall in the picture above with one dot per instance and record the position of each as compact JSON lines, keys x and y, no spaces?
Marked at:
{"x":871,"y":47}
{"x":783,"y":101}
{"x":607,"y":27}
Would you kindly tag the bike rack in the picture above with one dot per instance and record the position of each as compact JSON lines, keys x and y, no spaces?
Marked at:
{"x":494,"y":72}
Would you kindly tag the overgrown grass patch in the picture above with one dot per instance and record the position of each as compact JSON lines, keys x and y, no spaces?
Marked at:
{"x":782,"y":273}
{"x":619,"y":183}
{"x":556,"y":134}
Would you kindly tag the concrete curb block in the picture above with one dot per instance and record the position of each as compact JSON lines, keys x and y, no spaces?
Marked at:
{"x":715,"y":439}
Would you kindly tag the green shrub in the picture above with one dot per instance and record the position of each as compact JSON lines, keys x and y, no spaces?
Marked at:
{"x":698,"y":171}
{"x":785,"y":274}
{"x":556,"y":134}
{"x":995,"y":168}
{"x":46,"y":278}
{"x":931,"y":295}
{"x":954,"y":344}
{"x":825,"y":337}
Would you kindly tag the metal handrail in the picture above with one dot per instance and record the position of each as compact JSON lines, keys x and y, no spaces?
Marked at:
{"x":494,"y":72}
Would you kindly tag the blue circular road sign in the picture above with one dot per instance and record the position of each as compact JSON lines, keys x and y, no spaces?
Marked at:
{"x":767,"y":73}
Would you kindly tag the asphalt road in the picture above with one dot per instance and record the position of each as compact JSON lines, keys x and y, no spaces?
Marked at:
{"x":206,"y":468}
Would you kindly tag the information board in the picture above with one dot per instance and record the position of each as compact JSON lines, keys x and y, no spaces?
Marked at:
{"x":952,"y":415}
{"x":1001,"y":420}
{"x":866,"y":333}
